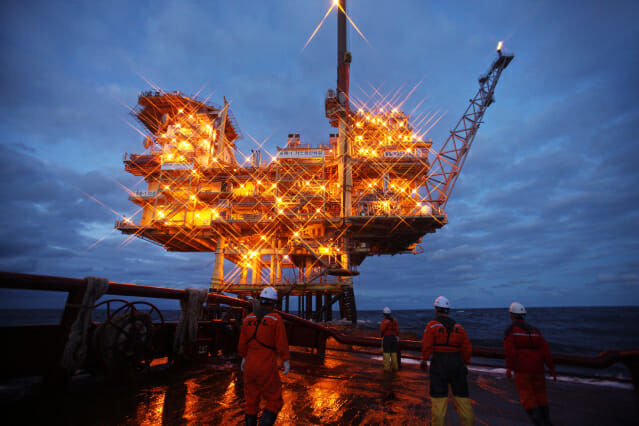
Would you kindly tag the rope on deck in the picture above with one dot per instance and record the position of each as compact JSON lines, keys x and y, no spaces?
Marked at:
{"x":75,"y":350}
{"x":186,"y":330}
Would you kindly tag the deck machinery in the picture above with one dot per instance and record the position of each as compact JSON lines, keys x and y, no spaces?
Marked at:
{"x":304,"y":219}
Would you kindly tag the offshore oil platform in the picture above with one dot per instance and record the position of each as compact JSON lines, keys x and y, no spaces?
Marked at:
{"x":304,"y":219}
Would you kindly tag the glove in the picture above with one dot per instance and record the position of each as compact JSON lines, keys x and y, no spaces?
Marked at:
{"x":242,"y":364}
{"x":424,"y":366}
{"x":397,"y":337}
{"x":287,"y":367}
{"x":509,"y":373}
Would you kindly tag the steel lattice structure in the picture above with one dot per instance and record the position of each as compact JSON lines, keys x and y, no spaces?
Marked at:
{"x":304,"y":219}
{"x":449,"y":161}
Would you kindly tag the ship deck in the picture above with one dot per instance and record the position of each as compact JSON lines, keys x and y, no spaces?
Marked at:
{"x":347,"y":388}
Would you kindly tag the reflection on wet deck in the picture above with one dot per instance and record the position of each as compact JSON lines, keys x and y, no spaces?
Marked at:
{"x":346,"y":389}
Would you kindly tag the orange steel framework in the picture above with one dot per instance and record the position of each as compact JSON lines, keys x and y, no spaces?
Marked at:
{"x":306,"y":218}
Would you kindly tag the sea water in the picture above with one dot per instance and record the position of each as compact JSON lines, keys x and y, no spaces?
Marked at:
{"x":569,"y":330}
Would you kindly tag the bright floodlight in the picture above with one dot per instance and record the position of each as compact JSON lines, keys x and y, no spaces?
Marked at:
{"x":499,"y":46}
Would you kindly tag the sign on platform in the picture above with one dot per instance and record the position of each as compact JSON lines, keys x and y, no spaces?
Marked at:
{"x":146,"y":194}
{"x":177,"y":166}
{"x":400,"y":154}
{"x":307,"y":153}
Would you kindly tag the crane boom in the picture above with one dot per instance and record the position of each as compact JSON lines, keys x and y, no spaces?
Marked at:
{"x":448,"y":163}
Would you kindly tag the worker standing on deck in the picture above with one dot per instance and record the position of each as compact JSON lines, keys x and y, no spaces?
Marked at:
{"x":526,"y":353}
{"x":262,"y":340}
{"x":450,"y":347}
{"x":390,"y":340}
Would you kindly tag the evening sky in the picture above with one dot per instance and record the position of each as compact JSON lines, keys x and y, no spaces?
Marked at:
{"x":546,"y":210}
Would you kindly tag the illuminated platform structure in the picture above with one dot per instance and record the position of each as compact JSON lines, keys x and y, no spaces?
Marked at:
{"x":304,"y":219}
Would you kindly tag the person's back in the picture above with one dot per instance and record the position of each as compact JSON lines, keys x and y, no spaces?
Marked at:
{"x":389,"y":326}
{"x":448,"y":344}
{"x":262,"y":343}
{"x":526,"y":352}
{"x":389,"y":330}
{"x":525,"y":348}
{"x":444,"y":335}
{"x":262,"y":340}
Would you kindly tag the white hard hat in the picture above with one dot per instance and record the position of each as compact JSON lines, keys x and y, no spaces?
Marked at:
{"x":269,"y":293}
{"x":387,"y":310}
{"x":517,"y":308}
{"x":442,"y":302}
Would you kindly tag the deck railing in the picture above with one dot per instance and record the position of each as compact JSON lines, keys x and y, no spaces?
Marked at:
{"x":76,"y":288}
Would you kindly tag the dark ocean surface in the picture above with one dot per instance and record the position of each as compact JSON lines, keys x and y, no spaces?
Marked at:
{"x":573,"y":330}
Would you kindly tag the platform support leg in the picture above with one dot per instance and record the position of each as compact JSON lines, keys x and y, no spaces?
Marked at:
{"x":329,"y":307}
{"x":217,"y":279}
{"x":318,"y":307}
{"x":309,"y":306}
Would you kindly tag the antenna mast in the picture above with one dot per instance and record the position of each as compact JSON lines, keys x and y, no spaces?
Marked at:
{"x":343,"y":57}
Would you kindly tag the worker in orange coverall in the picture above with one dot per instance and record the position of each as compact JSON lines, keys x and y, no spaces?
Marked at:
{"x":450,"y":347}
{"x":390,"y":339}
{"x":262,"y":340}
{"x":526,"y":352}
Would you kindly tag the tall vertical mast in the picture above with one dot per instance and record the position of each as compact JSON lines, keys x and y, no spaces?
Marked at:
{"x":343,"y":143}
{"x":343,"y":56}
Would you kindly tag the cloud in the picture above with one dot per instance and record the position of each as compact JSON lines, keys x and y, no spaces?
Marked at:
{"x":464,"y":251}
{"x":545,"y":207}
{"x":623,"y":280}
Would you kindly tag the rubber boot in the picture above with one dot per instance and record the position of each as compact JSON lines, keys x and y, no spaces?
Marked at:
{"x":394,"y":363}
{"x":535,"y":416}
{"x":251,"y":419}
{"x":267,"y":418}
{"x":387,"y":361}
{"x":464,"y":410}
{"x":545,"y":414}
{"x":438,"y":411}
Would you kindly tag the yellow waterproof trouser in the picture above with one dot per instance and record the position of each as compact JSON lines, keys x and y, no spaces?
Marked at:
{"x":438,"y":411}
{"x":464,"y":410}
{"x":390,"y":359}
{"x":462,"y":405}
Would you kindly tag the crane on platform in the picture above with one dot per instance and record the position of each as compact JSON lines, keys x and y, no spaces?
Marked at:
{"x":312,"y":214}
{"x":450,"y":159}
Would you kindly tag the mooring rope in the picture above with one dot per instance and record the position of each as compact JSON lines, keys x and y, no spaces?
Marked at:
{"x":75,"y":350}
{"x":186,"y":330}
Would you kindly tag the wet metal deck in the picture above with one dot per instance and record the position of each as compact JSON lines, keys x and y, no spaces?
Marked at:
{"x":347,"y":389}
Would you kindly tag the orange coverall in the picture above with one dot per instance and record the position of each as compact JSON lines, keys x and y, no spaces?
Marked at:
{"x":451,"y":352}
{"x":261,"y":349}
{"x":390,"y":330}
{"x":526,"y":353}
{"x":389,"y":327}
{"x":435,"y":337}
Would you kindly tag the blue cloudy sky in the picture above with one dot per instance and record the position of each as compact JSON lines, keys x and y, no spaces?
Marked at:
{"x":545,"y":211}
